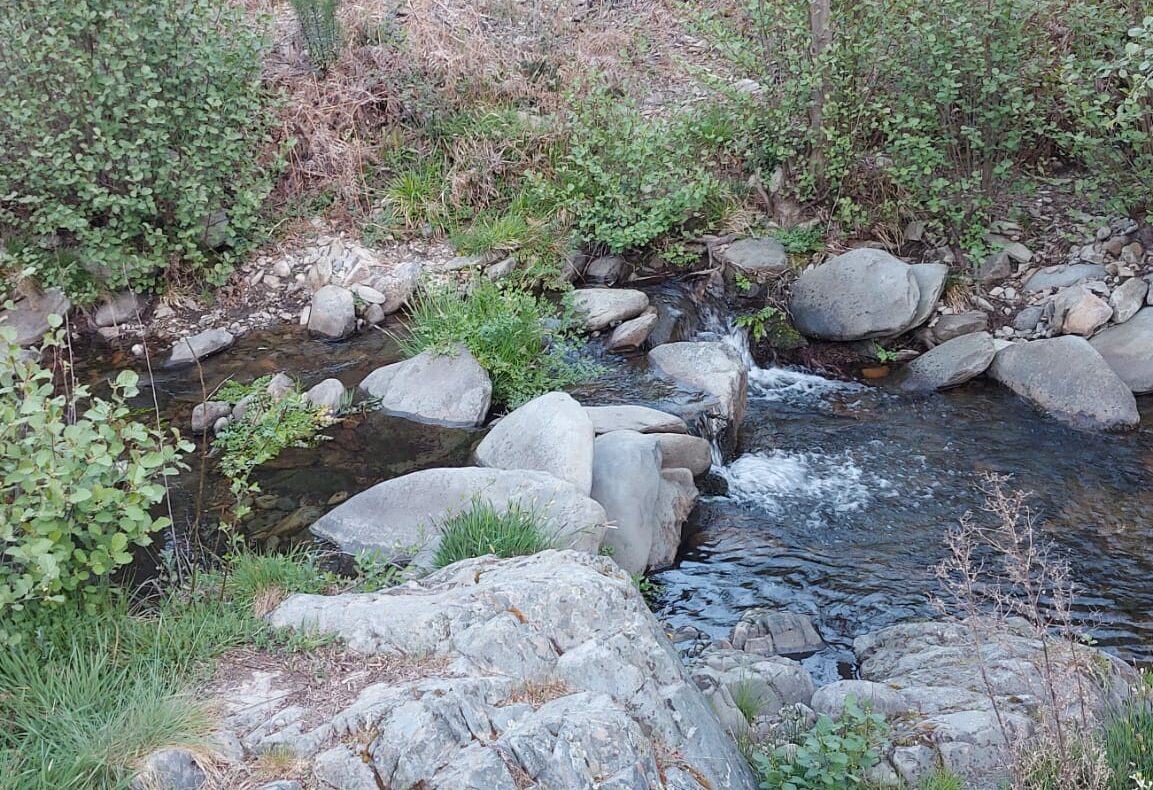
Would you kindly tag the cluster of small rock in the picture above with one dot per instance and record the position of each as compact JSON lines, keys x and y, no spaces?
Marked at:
{"x":216,"y":415}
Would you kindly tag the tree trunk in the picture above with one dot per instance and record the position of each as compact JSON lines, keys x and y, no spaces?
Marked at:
{"x":822,"y":35}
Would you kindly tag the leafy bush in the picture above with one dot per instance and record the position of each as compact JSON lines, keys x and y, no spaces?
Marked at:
{"x":518,"y":338}
{"x":77,"y":479}
{"x":124,"y":127}
{"x":831,"y":754}
{"x":627,"y":180}
{"x":482,"y":530}
{"x":320,"y":29}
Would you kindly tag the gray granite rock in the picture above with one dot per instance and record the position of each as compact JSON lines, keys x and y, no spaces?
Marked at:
{"x":951,"y":326}
{"x":333,"y":313}
{"x":626,"y":481}
{"x":861,"y":294}
{"x":1128,"y":350}
{"x":1064,"y":275}
{"x":601,"y":308}
{"x":758,"y":259}
{"x":641,"y":419}
{"x":188,"y":350}
{"x":951,"y":363}
{"x":440,"y":389}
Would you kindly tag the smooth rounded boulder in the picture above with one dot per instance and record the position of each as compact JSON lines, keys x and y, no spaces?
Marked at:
{"x":711,"y":367}
{"x":952,"y":363}
{"x":861,"y":294}
{"x":452,"y":390}
{"x":1066,"y":378}
{"x":601,"y":308}
{"x":756,"y":259}
{"x":551,"y":434}
{"x":627,"y":417}
{"x":1128,"y":349}
{"x":400,"y":519}
{"x":627,"y":483}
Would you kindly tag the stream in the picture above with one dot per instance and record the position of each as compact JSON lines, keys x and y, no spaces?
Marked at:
{"x":839,"y":496}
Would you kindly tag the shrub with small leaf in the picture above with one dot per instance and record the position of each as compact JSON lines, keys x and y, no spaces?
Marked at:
{"x":78,"y":480}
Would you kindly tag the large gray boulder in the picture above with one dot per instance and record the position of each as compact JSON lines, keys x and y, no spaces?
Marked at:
{"x":29,"y":316}
{"x":951,"y":363}
{"x":1067,"y":378}
{"x":1064,"y":275}
{"x":627,"y":483}
{"x":756,"y":259}
{"x":861,"y":294}
{"x":714,"y":368}
{"x":682,"y":451}
{"x":675,"y":500}
{"x":188,"y":350}
{"x":763,"y":685}
{"x":601,"y":308}
{"x":401,"y":518}
{"x":931,"y":280}
{"x":550,"y":434}
{"x":1128,"y":348}
{"x":333,"y":313}
{"x":641,"y":419}
{"x":547,"y":670}
{"x":439,"y":389}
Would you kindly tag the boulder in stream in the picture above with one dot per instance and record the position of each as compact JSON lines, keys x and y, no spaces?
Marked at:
{"x":861,"y":294}
{"x":604,"y":307}
{"x":1128,"y":348}
{"x":952,"y":363}
{"x":641,"y":419}
{"x":1066,"y":377}
{"x":401,"y":518}
{"x":714,"y":368}
{"x":551,"y":433}
{"x":188,"y":350}
{"x":675,"y":500}
{"x":333,"y":313}
{"x":452,"y":389}
{"x":627,"y":483}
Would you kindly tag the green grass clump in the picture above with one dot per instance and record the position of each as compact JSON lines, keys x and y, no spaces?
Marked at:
{"x":482,"y":530}
{"x":1129,"y":740}
{"x":515,"y":336}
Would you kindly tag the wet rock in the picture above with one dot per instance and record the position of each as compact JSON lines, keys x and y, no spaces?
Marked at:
{"x":876,"y":697}
{"x":996,"y":267}
{"x":771,"y":633}
{"x":170,"y":769}
{"x":119,"y":309}
{"x":675,"y":500}
{"x":29,"y":316}
{"x":1063,"y":276}
{"x":714,"y":368}
{"x":205,"y":415}
{"x":766,"y":684}
{"x":626,"y":481}
{"x":951,"y":363}
{"x":861,"y":294}
{"x":1078,"y":311}
{"x":756,"y":259}
{"x":1027,"y":319}
{"x":606,"y":270}
{"x":641,"y":419}
{"x":188,"y":350}
{"x":374,"y":314}
{"x":1128,"y":349}
{"x":951,"y":326}
{"x":1127,"y":299}
{"x":440,"y":389}
{"x":217,"y":231}
{"x":931,"y":279}
{"x":682,"y":451}
{"x":604,"y":307}
{"x":561,"y":618}
{"x":333,"y":313}
{"x":551,"y":434}
{"x":401,"y":517}
{"x":633,"y":333}
{"x":328,"y":394}
{"x":1067,"y":378}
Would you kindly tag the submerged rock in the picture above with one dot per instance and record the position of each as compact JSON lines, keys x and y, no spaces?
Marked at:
{"x":546,"y":669}
{"x":1067,"y":378}
{"x":401,"y":518}
{"x":440,"y":389}
{"x":861,"y":294}
{"x":552,"y":434}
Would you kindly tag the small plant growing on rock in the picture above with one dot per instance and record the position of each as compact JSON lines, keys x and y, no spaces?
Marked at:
{"x":482,"y":529}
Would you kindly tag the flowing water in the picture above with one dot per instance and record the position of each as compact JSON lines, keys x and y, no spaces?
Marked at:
{"x":838,"y":499}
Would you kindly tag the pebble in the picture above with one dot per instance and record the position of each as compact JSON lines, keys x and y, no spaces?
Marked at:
{"x":1104,"y":232}
{"x":282,"y":268}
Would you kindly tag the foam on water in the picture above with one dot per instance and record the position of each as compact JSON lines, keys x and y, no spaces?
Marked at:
{"x":783,"y":384}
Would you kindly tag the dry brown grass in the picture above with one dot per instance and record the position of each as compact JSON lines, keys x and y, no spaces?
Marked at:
{"x":538,"y":692}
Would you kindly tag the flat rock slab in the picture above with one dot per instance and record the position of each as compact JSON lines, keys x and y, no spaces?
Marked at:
{"x":633,"y":333}
{"x":641,"y":419}
{"x":452,"y":390}
{"x":1128,"y":348}
{"x":29,"y":316}
{"x":714,"y":368}
{"x":551,"y":434}
{"x":951,"y":363}
{"x":1066,"y":378}
{"x":1064,"y":275}
{"x":401,"y":518}
{"x":602,"y":307}
{"x":951,"y":326}
{"x":861,"y":294}
{"x":572,"y":627}
{"x":188,"y":350}
{"x":758,"y":258}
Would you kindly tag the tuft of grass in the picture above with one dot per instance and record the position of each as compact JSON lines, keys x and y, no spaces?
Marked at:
{"x":941,"y":779}
{"x":748,"y":699}
{"x":416,"y":197}
{"x":482,"y":530}
{"x":515,"y":336}
{"x":1128,"y":739}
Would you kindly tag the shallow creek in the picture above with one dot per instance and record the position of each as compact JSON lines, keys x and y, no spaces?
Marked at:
{"x":839,"y":495}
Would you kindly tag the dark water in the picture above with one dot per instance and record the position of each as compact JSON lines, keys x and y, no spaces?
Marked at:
{"x":839,"y":495}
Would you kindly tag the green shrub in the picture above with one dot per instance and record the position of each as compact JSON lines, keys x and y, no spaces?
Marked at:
{"x":78,"y":477}
{"x":320,"y":29}
{"x":517,"y":337}
{"x":482,"y":530}
{"x":831,"y":754}
{"x":626,"y":180}
{"x":124,"y":127}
